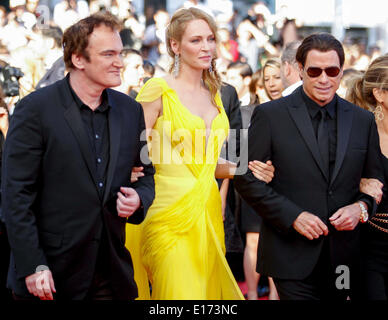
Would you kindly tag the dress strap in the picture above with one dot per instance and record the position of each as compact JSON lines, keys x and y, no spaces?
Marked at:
{"x":152,"y":90}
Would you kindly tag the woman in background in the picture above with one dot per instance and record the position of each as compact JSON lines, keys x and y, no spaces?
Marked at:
{"x":239,"y":75}
{"x":273,"y":84}
{"x":370,"y":91}
{"x":250,"y":220}
{"x":132,"y":73}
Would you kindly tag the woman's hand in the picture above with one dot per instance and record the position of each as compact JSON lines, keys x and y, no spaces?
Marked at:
{"x":136,"y":173}
{"x":372,"y":187}
{"x":262,"y":171}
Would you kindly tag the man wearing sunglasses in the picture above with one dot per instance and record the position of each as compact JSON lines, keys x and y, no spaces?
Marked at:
{"x":321,"y":147}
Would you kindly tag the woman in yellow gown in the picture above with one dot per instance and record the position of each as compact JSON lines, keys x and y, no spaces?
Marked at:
{"x":179,"y":247}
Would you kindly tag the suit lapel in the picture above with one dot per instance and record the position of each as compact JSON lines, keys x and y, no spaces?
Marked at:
{"x":300,"y":115}
{"x":74,"y":120}
{"x":344,"y":126}
{"x":114,"y":142}
{"x":72,"y":116}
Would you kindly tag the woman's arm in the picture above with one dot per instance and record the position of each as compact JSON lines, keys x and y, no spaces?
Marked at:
{"x":262,"y":171}
{"x":261,"y":38}
{"x":152,"y":110}
{"x":225,"y":169}
{"x":224,"y":194}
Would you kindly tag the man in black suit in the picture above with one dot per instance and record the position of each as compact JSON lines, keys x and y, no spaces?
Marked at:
{"x":68,"y":155}
{"x":321,"y":147}
{"x":231,"y":105}
{"x":231,"y":152}
{"x":4,"y":245}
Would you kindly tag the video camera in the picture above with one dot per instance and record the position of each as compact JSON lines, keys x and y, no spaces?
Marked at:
{"x":9,"y":77}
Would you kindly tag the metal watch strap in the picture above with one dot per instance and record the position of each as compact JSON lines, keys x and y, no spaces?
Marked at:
{"x":364,"y":213}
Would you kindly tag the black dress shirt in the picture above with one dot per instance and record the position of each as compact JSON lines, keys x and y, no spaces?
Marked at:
{"x":96,"y":125}
{"x":331,"y":119}
{"x":331,"y":109}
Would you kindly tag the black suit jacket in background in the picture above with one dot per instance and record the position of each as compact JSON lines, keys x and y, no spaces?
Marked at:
{"x":231,"y":152}
{"x":231,"y":105}
{"x":281,"y":131}
{"x":52,"y":208}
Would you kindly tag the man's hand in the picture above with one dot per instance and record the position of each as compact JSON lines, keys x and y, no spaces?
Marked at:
{"x":128,"y":202}
{"x":41,"y":285}
{"x":310,"y":226}
{"x":346,"y":218}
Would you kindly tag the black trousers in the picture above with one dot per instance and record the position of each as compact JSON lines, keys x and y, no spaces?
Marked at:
{"x":376,"y":285}
{"x":5,"y":294}
{"x":101,"y":288}
{"x":319,"y":285}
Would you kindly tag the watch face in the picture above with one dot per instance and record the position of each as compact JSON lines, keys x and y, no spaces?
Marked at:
{"x":364,"y":217}
{"x":364,"y":213}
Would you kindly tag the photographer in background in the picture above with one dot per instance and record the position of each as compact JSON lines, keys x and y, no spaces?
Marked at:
{"x":9,"y":85}
{"x":9,"y":77}
{"x":51,"y":38}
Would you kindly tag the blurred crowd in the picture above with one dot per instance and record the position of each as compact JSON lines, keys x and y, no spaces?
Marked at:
{"x":30,"y":43}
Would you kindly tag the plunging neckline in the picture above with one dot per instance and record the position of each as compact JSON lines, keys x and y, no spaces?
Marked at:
{"x":187,"y":110}
{"x":190,"y":112}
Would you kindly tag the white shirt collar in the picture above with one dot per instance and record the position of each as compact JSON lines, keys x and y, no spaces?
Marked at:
{"x":245,"y":99}
{"x":291,"y":88}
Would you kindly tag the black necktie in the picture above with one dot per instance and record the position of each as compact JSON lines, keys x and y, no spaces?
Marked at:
{"x":323,"y":139}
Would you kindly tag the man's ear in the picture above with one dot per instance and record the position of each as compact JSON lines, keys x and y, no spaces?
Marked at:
{"x":300,"y":67}
{"x":287,"y":69}
{"x":78,"y":61}
{"x":294,"y":69}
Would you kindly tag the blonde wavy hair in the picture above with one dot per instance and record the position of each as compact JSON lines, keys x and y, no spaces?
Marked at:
{"x":360,"y":91}
{"x":176,"y":29}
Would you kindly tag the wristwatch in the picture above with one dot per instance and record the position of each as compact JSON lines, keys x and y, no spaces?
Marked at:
{"x":364,"y":213}
{"x":41,"y":267}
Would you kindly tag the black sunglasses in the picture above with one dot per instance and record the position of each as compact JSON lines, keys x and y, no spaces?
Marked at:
{"x":315,"y":72}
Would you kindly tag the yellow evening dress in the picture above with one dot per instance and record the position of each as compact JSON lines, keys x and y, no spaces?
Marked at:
{"x":179,"y":248}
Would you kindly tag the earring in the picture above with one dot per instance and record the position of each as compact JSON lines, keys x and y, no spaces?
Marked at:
{"x":378,"y":112}
{"x":175,"y":71}
{"x":211,"y":67}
